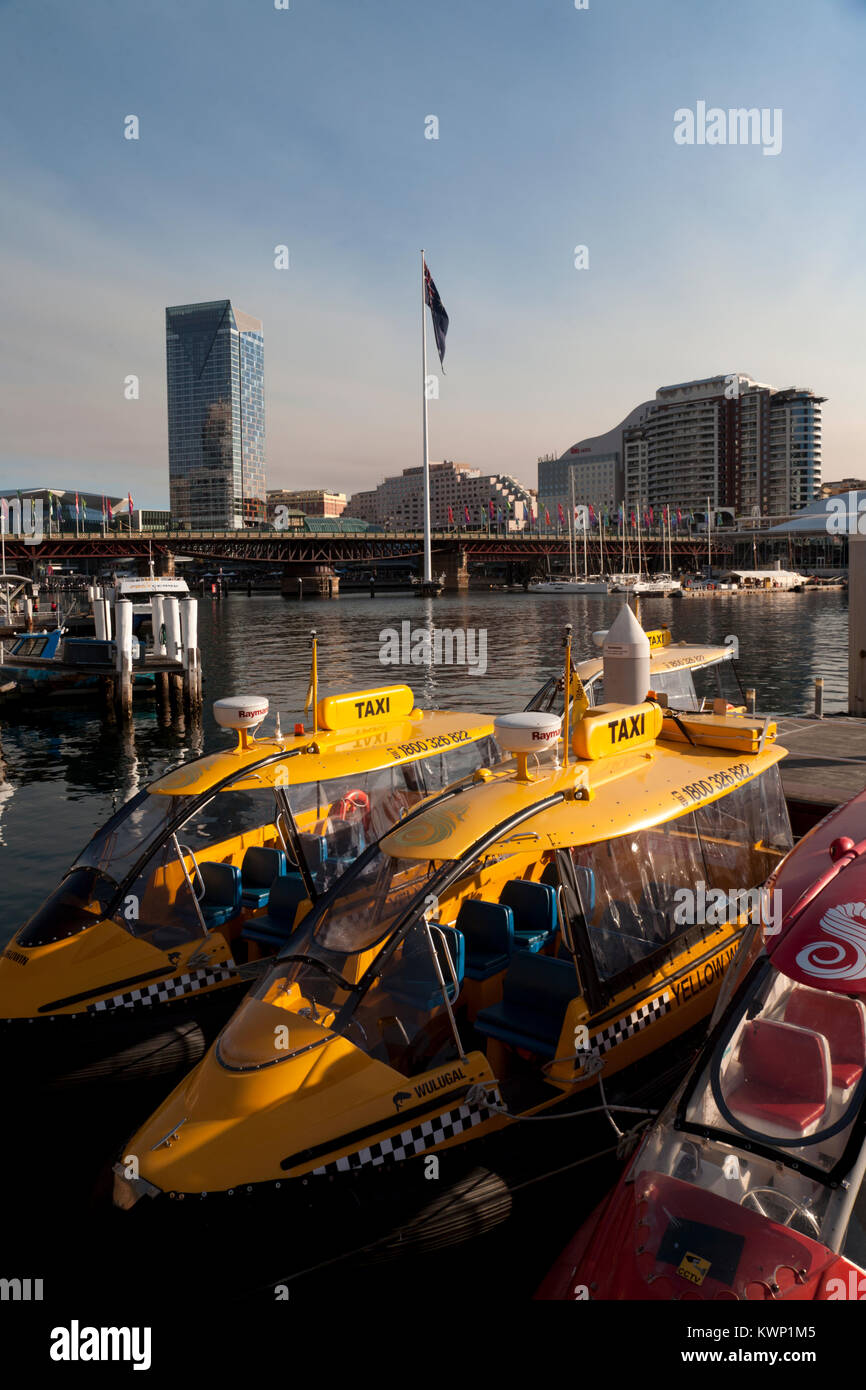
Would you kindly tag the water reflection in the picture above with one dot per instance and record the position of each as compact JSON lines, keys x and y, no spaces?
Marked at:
{"x":66,"y":769}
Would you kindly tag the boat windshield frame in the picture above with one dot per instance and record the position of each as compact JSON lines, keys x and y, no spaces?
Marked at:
{"x":449,"y":871}
{"x":188,"y":807}
{"x":739,"y":1135}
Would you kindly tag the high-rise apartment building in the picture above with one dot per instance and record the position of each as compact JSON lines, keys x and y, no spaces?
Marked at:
{"x":398,"y":501}
{"x":216,"y":416}
{"x":742,"y":444}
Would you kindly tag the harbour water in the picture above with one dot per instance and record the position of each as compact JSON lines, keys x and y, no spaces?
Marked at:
{"x":65,"y":769}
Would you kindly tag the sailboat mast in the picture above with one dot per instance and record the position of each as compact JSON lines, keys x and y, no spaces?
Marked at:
{"x":709,"y":542}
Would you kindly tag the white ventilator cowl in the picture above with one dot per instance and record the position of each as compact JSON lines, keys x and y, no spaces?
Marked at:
{"x":240,"y":711}
{"x":626,"y":661}
{"x":527,"y":732}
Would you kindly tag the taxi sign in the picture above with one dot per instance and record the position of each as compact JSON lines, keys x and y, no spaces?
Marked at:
{"x":659,"y":636}
{"x":612,"y":729}
{"x":365,"y":707}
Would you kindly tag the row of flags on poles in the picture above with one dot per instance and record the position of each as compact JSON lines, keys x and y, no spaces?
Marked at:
{"x":670,"y":517}
{"x":59,"y":512}
{"x":666,"y":516}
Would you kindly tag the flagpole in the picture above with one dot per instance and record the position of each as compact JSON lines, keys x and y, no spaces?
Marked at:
{"x":428,"y":563}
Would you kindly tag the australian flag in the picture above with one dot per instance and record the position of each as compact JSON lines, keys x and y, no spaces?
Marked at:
{"x":437,"y":313}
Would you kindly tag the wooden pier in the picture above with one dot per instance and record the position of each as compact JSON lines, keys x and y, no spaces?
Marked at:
{"x":826,"y":764}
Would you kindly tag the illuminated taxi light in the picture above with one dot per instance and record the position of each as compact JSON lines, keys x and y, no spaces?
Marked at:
{"x":365,"y":707}
{"x":612,"y":729}
{"x":659,"y":636}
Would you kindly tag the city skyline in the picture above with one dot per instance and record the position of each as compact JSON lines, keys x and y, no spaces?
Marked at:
{"x":698,"y":257}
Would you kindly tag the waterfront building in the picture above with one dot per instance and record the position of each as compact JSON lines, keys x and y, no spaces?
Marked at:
{"x":310,"y":501}
{"x":216,"y":416}
{"x":54,"y":509}
{"x":398,"y":501}
{"x":743,"y":444}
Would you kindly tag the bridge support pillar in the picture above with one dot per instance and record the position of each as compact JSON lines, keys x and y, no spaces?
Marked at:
{"x":456,"y":570}
{"x":309,"y":581}
{"x":163,"y":566}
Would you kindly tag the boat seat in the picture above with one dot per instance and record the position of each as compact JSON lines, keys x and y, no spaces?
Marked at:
{"x":536,"y":993}
{"x":419,"y":986}
{"x":276,"y":926}
{"x":842,"y":1022}
{"x":488,"y":930}
{"x":785,"y":1084}
{"x":259,"y":869}
{"x":221,"y":899}
{"x":534,"y":909}
{"x":314,"y":849}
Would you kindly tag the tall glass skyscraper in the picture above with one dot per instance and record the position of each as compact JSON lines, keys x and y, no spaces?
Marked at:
{"x":216,"y":416}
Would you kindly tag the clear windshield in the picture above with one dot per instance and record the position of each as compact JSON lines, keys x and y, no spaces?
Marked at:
{"x":769,"y":1115}
{"x":643,"y":890}
{"x":368,"y":901}
{"x":121,"y":842}
{"x":339,"y":817}
{"x":402,"y":1018}
{"x":718,"y":681}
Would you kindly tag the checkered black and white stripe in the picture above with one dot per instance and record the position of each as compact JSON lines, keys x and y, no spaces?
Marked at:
{"x":632,"y":1023}
{"x":164,"y":990}
{"x":411,"y":1141}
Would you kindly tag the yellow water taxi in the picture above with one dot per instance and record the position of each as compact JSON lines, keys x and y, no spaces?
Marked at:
{"x":157,"y":928}
{"x":499,"y":952}
{"x":692,"y":675}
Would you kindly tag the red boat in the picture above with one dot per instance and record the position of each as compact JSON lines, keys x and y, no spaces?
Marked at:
{"x":750,"y":1184}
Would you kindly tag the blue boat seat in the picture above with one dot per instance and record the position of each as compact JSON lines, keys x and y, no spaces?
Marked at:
{"x":534,"y":909}
{"x":536,"y":993}
{"x":259,"y":869}
{"x":313,"y":848}
{"x":420,"y":989}
{"x":276,"y":926}
{"x":488,"y":929}
{"x":221,"y":899}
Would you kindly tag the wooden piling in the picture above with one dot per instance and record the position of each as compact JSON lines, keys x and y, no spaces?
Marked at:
{"x":123,"y":643}
{"x":819,"y":697}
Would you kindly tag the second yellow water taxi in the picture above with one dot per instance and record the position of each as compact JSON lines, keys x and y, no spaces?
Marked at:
{"x":500,"y":951}
{"x":153,"y":935}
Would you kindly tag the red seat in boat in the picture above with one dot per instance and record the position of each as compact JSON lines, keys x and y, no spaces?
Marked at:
{"x":843,"y":1023}
{"x":786,"y":1076}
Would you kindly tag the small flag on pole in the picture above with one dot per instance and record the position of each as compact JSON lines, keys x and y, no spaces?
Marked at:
{"x":546,"y":516}
{"x":450,"y":516}
{"x":437,"y":313}
{"x":561,"y":514}
{"x":466,"y":512}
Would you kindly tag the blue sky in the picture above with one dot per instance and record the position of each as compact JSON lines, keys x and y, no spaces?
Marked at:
{"x":306,"y":127}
